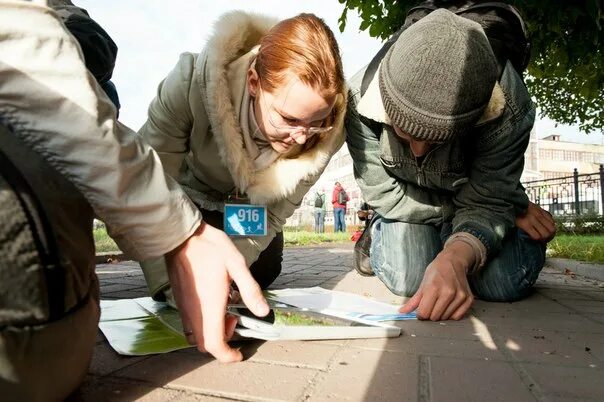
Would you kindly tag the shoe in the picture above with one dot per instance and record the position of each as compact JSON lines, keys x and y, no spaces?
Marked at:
{"x":361,"y":252}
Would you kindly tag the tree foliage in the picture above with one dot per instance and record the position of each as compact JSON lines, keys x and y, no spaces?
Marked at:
{"x":566,"y":72}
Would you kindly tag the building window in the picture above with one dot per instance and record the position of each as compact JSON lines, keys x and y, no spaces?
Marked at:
{"x":545,"y":154}
{"x":572,"y":156}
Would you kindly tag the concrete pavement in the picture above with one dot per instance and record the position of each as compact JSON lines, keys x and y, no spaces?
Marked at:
{"x":547,"y":347}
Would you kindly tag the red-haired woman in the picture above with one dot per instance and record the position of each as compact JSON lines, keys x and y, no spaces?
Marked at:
{"x":256,"y":116}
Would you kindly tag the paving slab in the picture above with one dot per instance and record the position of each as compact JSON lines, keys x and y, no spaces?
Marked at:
{"x":294,"y":354}
{"x":549,"y":346}
{"x":198,"y":373}
{"x":451,"y":379}
{"x":364,"y":375}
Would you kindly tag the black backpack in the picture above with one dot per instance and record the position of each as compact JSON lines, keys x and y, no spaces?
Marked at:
{"x":100,"y":51}
{"x":318,"y":201}
{"x":501,"y":22}
{"x":342,"y":197}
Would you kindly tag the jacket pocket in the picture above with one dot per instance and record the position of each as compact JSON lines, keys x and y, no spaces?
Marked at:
{"x":453,"y":181}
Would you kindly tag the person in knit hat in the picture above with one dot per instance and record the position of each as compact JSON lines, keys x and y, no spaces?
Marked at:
{"x":438,"y":140}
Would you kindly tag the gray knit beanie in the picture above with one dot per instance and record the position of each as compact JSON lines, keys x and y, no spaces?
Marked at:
{"x":438,"y":77}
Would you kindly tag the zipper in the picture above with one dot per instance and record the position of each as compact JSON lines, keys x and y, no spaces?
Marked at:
{"x":420,"y":173}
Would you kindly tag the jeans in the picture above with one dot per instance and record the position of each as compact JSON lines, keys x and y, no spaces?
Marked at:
{"x":339,"y":220}
{"x":319,"y":221}
{"x":401,"y":252}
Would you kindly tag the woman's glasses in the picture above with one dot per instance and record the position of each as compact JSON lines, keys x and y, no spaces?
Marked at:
{"x":284,"y":129}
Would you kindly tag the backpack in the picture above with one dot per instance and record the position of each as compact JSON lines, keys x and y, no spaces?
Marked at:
{"x":342,"y":197}
{"x":318,"y":201}
{"x":501,"y":22}
{"x":100,"y":51}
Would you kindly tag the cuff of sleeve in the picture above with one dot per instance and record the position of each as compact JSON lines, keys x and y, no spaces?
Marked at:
{"x":480,"y":251}
{"x":486,"y":237}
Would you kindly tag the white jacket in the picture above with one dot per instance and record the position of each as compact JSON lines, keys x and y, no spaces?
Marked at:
{"x":53,"y":104}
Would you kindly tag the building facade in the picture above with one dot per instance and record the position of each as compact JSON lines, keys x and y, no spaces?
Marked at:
{"x":545,"y":158}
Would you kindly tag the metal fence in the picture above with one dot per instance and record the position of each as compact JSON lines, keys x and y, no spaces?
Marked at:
{"x":576,"y":195}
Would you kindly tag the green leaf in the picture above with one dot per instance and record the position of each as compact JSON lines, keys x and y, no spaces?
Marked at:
{"x":365,"y":24}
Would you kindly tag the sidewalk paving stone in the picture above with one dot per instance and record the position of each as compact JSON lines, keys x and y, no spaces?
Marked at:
{"x":295,"y":354}
{"x":197,"y":373}
{"x":452,"y":379}
{"x":547,"y":347}
{"x":365,"y":375}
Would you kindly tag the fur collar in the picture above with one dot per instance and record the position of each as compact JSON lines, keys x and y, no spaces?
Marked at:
{"x":235,"y":34}
{"x":371,"y":106}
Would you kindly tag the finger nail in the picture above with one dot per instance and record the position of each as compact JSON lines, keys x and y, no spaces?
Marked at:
{"x":262,"y":308}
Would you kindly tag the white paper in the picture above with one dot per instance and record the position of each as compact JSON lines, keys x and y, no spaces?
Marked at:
{"x":340,"y":304}
{"x":292,"y":323}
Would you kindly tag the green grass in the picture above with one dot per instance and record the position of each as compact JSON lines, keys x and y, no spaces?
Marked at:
{"x":583,"y":248}
{"x":103,"y":242}
{"x":311,"y":238}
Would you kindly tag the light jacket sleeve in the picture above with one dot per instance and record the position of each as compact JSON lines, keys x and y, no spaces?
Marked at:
{"x":169,"y":122}
{"x":54,"y":105}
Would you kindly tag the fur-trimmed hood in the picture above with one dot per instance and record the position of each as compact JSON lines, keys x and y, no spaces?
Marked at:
{"x":371,"y":106}
{"x":235,"y":34}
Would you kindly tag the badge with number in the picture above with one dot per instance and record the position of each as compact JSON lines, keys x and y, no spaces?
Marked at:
{"x":245,"y":220}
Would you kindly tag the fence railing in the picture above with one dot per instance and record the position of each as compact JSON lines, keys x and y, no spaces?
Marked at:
{"x":579,"y":194}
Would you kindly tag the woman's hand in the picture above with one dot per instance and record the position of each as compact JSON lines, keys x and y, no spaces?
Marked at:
{"x":200,"y":271}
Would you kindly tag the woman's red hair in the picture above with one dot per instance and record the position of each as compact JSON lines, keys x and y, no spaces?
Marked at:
{"x":305,"y":47}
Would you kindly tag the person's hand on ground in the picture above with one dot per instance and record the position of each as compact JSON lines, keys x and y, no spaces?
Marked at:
{"x":537,"y":223}
{"x":444,"y":292}
{"x":200,"y":272}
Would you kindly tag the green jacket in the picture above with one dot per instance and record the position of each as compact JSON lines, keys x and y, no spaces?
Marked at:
{"x":472,"y":182}
{"x":193,"y":125}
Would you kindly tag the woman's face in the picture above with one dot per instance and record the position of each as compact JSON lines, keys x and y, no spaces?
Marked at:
{"x":291,"y":114}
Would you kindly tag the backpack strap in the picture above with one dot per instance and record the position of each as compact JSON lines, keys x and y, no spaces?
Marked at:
{"x":370,"y":72}
{"x":377,"y":59}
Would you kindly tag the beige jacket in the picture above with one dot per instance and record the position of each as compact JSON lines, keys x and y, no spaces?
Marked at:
{"x":55,"y":107}
{"x":194,"y":126}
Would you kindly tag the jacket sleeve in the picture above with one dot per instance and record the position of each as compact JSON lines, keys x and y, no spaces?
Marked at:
{"x":388,"y":196}
{"x":54,"y":105}
{"x":169,"y":123}
{"x":487,"y":205}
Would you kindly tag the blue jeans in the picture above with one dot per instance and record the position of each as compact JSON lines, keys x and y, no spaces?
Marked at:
{"x":401,"y":252}
{"x":339,"y":220}
{"x":319,"y":221}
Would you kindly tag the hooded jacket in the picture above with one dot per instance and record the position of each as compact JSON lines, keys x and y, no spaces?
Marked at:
{"x":194,"y":125}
